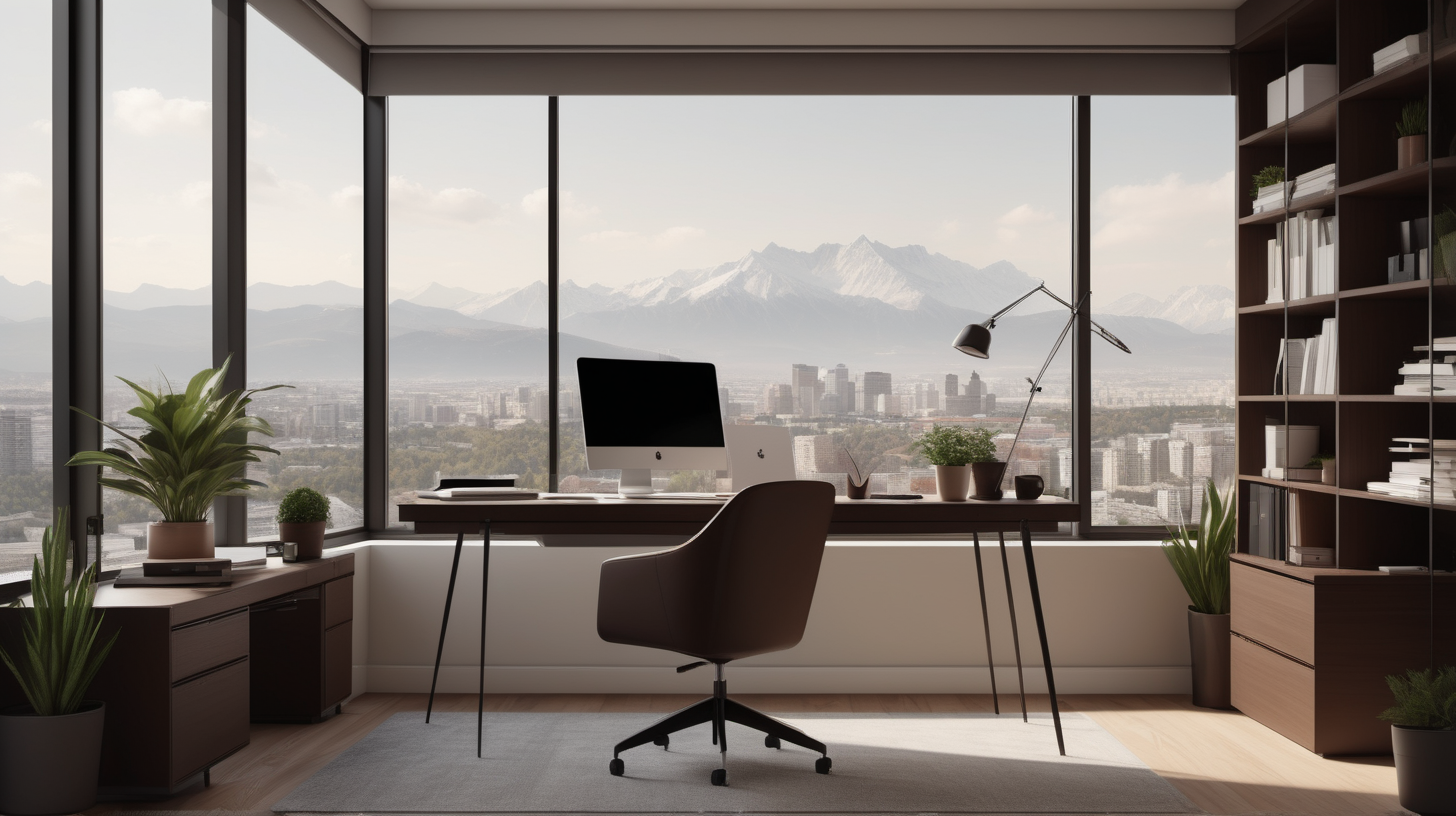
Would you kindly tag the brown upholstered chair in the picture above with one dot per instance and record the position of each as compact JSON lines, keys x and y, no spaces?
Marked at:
{"x":739,"y":588}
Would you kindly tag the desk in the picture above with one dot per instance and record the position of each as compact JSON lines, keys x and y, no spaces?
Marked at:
{"x":576,"y":518}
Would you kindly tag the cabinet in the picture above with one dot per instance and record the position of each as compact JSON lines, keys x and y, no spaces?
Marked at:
{"x":301,"y":647}
{"x":1312,"y":646}
{"x":179,"y":684}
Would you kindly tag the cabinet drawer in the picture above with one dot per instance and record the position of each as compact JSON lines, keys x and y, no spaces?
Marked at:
{"x":1274,"y":690}
{"x":338,"y":601}
{"x":338,"y":663}
{"x":209,"y":719}
{"x":1273,"y":610}
{"x":208,"y":644}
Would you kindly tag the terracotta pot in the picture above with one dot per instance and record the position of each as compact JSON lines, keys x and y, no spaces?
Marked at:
{"x":988,"y":477}
{"x":179,"y":539}
{"x":1327,"y":472}
{"x":51,"y":763}
{"x":308,"y":535}
{"x":1410,"y":150}
{"x":1424,"y":758}
{"x":952,"y":482}
{"x":1209,"y":643}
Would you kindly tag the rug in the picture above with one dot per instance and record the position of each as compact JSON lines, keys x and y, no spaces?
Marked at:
{"x":915,"y":763}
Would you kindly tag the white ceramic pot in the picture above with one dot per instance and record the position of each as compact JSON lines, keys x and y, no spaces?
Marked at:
{"x":952,"y":482}
{"x":180,"y":539}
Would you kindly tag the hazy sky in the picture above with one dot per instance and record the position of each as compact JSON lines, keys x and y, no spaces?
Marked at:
{"x":650,"y":184}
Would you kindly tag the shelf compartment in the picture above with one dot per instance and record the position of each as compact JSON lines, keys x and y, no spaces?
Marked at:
{"x":1367,"y":27}
{"x":1376,"y":337}
{"x":1259,"y":336}
{"x":1407,"y":181}
{"x":1251,"y":417}
{"x":1369,"y":234}
{"x":1402,"y":80}
{"x":1377,"y":531}
{"x":1366,"y":429}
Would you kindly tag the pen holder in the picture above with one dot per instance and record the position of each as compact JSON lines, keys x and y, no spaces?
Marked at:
{"x":857,"y":491}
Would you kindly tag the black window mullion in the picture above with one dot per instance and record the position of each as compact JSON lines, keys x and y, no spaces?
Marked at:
{"x":1081,"y":286}
{"x":376,"y":308}
{"x":553,"y":280}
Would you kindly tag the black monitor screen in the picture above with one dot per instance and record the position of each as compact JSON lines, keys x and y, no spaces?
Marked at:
{"x":649,"y":404}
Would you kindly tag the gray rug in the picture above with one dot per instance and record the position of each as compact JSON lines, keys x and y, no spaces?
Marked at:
{"x":916,"y":763}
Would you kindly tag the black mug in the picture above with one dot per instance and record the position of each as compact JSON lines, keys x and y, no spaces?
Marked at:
{"x":1029,"y":486}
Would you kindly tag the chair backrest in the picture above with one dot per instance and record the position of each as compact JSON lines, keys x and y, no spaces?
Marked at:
{"x":743,"y":586}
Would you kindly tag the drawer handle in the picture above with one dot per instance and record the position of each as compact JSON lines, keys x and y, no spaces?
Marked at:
{"x":285,"y":605}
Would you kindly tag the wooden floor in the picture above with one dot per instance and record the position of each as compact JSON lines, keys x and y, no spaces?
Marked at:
{"x":1223,"y":761}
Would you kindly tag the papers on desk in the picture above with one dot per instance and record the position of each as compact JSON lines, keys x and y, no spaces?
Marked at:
{"x":478,"y":494}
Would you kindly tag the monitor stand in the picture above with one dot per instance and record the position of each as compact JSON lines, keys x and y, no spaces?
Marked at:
{"x":635,"y":482}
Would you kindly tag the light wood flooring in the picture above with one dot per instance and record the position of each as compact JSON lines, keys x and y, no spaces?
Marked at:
{"x":1223,"y":761}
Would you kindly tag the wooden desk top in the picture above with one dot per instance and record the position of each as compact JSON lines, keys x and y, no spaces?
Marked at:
{"x":667,"y":517}
{"x":249,"y":586}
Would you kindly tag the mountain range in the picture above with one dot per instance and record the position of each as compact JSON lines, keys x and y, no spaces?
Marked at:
{"x":866,"y":304}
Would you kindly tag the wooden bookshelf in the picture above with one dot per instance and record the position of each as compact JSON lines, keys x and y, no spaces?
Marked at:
{"x":1354,"y":624}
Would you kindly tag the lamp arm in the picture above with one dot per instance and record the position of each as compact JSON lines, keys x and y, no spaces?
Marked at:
{"x":1036,"y":384}
{"x":1041,"y":287}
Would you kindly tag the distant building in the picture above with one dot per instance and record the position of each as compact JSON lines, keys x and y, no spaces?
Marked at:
{"x":778,"y":399}
{"x":952,"y":386}
{"x":816,"y":454}
{"x":838,"y":387}
{"x":807,"y":388}
{"x":16,"y":455}
{"x":446,"y":415}
{"x":875,"y":384}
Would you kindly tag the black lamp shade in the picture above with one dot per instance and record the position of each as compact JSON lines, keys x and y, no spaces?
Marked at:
{"x":975,"y":340}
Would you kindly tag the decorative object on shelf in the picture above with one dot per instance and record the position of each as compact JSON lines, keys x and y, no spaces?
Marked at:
{"x":1414,"y":260}
{"x":1421,"y":732}
{"x":52,"y":746}
{"x":1326,"y":463}
{"x":1288,"y":443}
{"x":975,"y":340}
{"x":1319,"y":181}
{"x":954,"y":450}
{"x":1399,"y":51}
{"x":856,"y":485}
{"x":1200,"y":557}
{"x":194,"y":451}
{"x":1410,"y":131}
{"x":1268,"y":190}
{"x":1305,"y":87}
{"x":302,"y":517}
{"x":1029,"y":486}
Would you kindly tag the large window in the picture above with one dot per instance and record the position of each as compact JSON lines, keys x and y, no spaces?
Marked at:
{"x":157,"y":221}
{"x":467,"y":273}
{"x":305,"y":276}
{"x":25,"y":285}
{"x":822,"y":252}
{"x":1162,"y":278}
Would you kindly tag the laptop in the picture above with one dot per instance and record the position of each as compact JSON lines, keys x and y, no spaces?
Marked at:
{"x":758,"y":454}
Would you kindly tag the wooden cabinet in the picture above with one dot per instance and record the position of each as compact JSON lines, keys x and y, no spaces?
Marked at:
{"x":179,"y":683}
{"x":315,"y":623}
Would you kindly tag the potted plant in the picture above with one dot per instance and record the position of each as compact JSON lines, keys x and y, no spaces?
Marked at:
{"x":1421,"y":734}
{"x":1326,"y":463}
{"x":302,"y":516}
{"x":194,"y":451}
{"x":955,"y":451}
{"x":1410,"y":131}
{"x":52,"y":745}
{"x":1268,"y":177}
{"x":1200,"y":557}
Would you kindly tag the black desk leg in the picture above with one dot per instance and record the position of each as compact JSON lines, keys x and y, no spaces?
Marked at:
{"x":1015,"y":635}
{"x":986,"y":622}
{"x":444,"y":622}
{"x":1046,"y":655}
{"x":484,"y":588}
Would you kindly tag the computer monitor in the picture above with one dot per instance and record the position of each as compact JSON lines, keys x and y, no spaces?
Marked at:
{"x":645,"y":415}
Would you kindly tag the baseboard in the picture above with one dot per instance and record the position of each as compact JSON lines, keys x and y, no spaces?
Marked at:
{"x":777,"y":679}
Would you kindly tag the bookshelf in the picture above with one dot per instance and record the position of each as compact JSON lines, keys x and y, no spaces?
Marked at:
{"x":1312,"y":645}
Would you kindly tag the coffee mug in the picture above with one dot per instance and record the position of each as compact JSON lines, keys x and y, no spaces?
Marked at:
{"x":1029,"y":486}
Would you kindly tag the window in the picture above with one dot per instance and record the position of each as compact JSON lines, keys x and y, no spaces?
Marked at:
{"x":1162,"y":280}
{"x":823,"y":252}
{"x":467,"y":274}
{"x":25,"y":288}
{"x":156,"y":222}
{"x":305,"y":276}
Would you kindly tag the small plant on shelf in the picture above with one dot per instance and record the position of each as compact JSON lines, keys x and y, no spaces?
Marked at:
{"x":1268,"y":177}
{"x":954,"y":445}
{"x":1412,"y":120}
{"x":303,"y":505}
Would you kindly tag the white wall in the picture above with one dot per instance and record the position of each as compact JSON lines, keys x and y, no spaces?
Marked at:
{"x":887,"y":618}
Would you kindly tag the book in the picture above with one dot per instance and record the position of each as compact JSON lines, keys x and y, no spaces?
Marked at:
{"x":1294,"y":359}
{"x":1307,"y":383}
{"x":1410,"y":570}
{"x":1439,"y":444}
{"x":1398,"y":51}
{"x":478,"y":494}
{"x":1428,"y":369}
{"x":1312,"y":556}
{"x":133,"y":577}
{"x":195,"y":567}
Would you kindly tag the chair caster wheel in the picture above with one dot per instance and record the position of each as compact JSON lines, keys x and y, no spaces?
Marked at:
{"x":823,"y":764}
{"x":720,"y":777}
{"x":663,"y":740}
{"x":771,"y":742}
{"x":618,"y":767}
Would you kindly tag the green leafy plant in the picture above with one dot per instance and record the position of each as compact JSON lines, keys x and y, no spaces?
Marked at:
{"x":1269,"y":176}
{"x":1423,"y":699}
{"x":195,"y":450}
{"x":303,"y":505}
{"x":1319,"y":459}
{"x":1200,"y":556}
{"x":1412,"y":120}
{"x":61,"y":655}
{"x":955,"y":445}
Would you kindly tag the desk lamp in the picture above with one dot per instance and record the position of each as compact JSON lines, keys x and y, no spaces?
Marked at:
{"x":975,"y":340}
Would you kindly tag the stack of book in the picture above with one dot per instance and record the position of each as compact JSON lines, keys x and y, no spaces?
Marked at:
{"x":1429,"y":474}
{"x":1310,"y":362}
{"x":1271,"y":197}
{"x":1318,"y":181}
{"x":1402,"y":49}
{"x":1311,"y":240}
{"x":1276,"y":265}
{"x":1424,"y":377}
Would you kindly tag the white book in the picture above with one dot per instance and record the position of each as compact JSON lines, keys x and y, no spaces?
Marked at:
{"x":1294,"y":360}
{"x":1321,"y":363}
{"x":1326,"y":170}
{"x":1407,"y":46}
{"x":1312,"y":363}
{"x":1332,"y":349}
{"x":1419,"y":390}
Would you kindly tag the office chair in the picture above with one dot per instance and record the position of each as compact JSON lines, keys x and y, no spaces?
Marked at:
{"x":740,"y":587}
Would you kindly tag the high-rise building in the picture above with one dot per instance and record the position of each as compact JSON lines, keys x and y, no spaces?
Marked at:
{"x":836,"y":385}
{"x":952,"y":385}
{"x":778,"y":399}
{"x":817,"y":453}
{"x":1214,"y":462}
{"x":961,"y":406}
{"x":807,"y":388}
{"x":875,"y":383}
{"x":1180,"y":458}
{"x":15,"y":443}
{"x":446,"y":415}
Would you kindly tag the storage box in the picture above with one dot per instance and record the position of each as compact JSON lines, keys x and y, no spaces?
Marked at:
{"x":1275,"y":102}
{"x":1289,"y":445}
{"x":1308,"y":85}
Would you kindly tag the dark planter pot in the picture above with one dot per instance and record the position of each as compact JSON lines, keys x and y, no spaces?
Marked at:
{"x":1424,"y":758}
{"x":987,"y":477}
{"x":1208,"y":640}
{"x":50,"y":763}
{"x":309,"y":535}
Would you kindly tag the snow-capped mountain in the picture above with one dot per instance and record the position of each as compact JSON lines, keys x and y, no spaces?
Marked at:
{"x":1202,"y":309}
